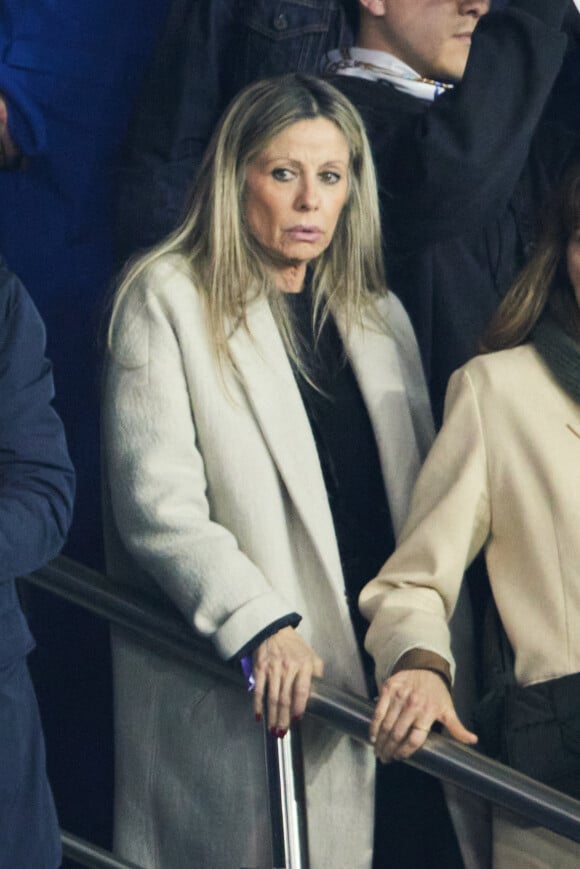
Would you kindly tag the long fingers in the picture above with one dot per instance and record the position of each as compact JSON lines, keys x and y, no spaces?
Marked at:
{"x":283,"y":669}
{"x":302,"y":684}
{"x":409,"y":703}
{"x":274,"y":684}
{"x":404,"y":726}
{"x":288,"y":699}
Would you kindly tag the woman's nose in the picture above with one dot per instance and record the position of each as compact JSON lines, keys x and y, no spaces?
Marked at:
{"x":308,"y":196}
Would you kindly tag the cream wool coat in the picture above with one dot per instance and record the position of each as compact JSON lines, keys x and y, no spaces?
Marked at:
{"x":504,"y":473}
{"x":217,"y":498}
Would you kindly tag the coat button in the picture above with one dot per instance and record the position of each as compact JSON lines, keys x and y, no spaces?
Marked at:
{"x":280,"y":22}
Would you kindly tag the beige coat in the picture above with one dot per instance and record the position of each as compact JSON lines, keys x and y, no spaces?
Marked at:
{"x":218,"y":499}
{"x":504,"y":473}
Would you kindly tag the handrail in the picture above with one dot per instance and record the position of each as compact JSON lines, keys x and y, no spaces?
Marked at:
{"x":440,"y":756}
{"x":453,"y":762}
{"x":91,"y":855}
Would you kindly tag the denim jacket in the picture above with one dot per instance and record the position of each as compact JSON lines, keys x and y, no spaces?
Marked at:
{"x":209,"y":51}
{"x":287,"y":35}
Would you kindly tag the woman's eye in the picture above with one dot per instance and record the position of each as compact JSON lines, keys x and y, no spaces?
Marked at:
{"x":330,"y":177}
{"x":282,"y":174}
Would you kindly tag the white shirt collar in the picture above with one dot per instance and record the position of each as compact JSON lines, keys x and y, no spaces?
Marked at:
{"x":382,"y":66}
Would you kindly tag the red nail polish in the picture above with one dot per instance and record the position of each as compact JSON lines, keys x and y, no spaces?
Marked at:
{"x":258,"y":716}
{"x":282,"y":733}
{"x":296,"y":719}
{"x":273,"y":731}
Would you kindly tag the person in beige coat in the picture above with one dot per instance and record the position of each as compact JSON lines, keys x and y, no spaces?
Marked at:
{"x":503,"y":474}
{"x":218,"y":486}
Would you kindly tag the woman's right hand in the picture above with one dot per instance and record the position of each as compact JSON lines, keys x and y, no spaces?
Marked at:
{"x":283,"y":667}
{"x":408,"y":705}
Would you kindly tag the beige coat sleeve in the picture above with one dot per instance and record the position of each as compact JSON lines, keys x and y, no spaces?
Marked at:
{"x":410,"y":602}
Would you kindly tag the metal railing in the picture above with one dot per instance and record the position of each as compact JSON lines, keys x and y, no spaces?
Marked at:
{"x":440,"y":756}
{"x":90,"y":855}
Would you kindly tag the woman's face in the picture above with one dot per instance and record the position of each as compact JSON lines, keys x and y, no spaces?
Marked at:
{"x":295,"y":190}
{"x":573,"y":259}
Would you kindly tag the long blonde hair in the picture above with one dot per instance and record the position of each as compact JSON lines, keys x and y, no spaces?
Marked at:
{"x":544,"y":283}
{"x":223,"y":257}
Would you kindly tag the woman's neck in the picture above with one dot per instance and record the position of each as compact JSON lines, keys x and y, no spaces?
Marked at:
{"x":291,"y":278}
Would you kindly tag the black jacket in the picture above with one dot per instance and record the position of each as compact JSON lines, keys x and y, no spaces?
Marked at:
{"x":462,"y":179}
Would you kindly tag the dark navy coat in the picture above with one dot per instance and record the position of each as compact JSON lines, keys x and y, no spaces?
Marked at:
{"x":36,"y":496}
{"x":69,"y":70}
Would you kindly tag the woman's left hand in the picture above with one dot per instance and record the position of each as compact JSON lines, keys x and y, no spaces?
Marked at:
{"x":408,"y":705}
{"x":283,"y":667}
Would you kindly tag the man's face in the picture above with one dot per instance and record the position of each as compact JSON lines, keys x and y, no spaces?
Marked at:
{"x":431,"y":36}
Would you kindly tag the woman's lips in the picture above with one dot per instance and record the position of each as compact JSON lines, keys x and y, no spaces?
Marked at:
{"x":305,"y":233}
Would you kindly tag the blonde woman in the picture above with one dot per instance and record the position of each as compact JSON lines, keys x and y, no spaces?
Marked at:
{"x":264,"y":419}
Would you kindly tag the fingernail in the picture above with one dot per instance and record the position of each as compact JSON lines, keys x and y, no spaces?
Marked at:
{"x":296,"y":719}
{"x":282,"y":733}
{"x":258,"y":716}
{"x":273,"y":731}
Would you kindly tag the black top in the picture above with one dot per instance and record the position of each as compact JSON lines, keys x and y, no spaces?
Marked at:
{"x":348,"y":456}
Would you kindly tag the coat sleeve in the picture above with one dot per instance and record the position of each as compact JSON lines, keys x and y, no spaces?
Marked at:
{"x":411,"y":601}
{"x":158,"y":485}
{"x":36,"y":475}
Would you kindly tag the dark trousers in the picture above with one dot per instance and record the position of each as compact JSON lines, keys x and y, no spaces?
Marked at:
{"x":413,"y":828}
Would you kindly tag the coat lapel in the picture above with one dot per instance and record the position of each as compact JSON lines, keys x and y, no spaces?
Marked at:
{"x":269,"y":383}
{"x":375,"y":359}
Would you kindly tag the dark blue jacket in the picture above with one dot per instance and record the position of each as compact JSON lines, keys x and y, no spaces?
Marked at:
{"x":36,"y":496}
{"x":36,"y":475}
{"x":70,"y":70}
